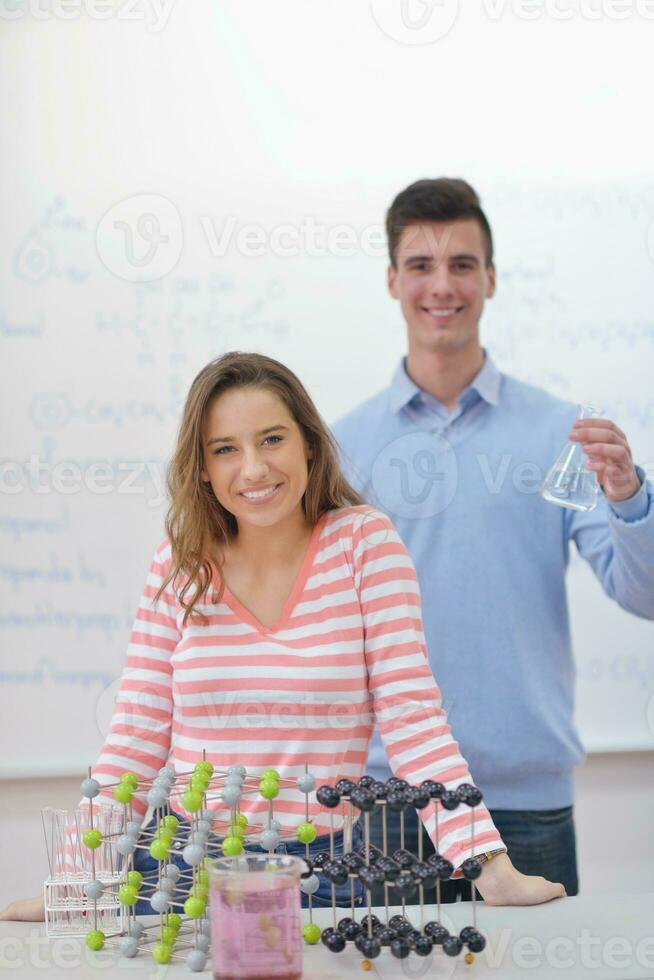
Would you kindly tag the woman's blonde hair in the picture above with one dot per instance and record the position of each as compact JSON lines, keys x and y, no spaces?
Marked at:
{"x":196,"y":520}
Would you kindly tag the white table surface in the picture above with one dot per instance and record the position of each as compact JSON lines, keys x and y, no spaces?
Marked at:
{"x":598,"y":937}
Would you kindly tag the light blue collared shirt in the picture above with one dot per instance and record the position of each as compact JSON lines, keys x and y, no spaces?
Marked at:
{"x":491,"y":555}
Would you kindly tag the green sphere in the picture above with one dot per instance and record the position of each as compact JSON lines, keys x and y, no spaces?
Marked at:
{"x":192,"y":801}
{"x":170,"y":822}
{"x":162,"y":953}
{"x":204,"y":766}
{"x":124,"y":793}
{"x":199,"y":782}
{"x":135,"y":879}
{"x":194,"y":907}
{"x":269,"y":774}
{"x":165,"y":833}
{"x":130,"y":779}
{"x":92,"y":838}
{"x":95,"y":939}
{"x":127,"y":895}
{"x":168,"y":935}
{"x":240,"y":820}
{"x":174,"y":921}
{"x":159,"y":849}
{"x":232,"y":846}
{"x":311,"y":933}
{"x":306,"y":833}
{"x":201,"y":891}
{"x":269,"y":788}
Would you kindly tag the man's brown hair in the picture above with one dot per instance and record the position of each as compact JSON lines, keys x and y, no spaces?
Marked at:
{"x":435,"y":199}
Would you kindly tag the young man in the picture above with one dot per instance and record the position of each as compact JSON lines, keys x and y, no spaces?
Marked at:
{"x":491,"y":554}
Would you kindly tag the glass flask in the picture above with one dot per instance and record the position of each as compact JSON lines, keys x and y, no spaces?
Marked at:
{"x":255,"y":917}
{"x":569,"y":483}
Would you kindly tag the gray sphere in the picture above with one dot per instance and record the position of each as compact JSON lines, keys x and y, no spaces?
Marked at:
{"x":306,"y":782}
{"x":93,"y":889}
{"x":136,"y":929}
{"x":202,"y":942}
{"x":269,"y":840}
{"x":157,"y":796}
{"x":133,"y":828}
{"x":196,"y":960}
{"x":129,"y":946}
{"x":231,"y":794}
{"x":90,"y":788}
{"x":272,"y":824}
{"x":193,"y":853}
{"x":168,"y":885}
{"x":203,"y":826}
{"x":160,"y":901}
{"x":203,"y":927}
{"x":239,"y":770}
{"x":168,"y":772}
{"x":125,"y":845}
{"x":172,"y":872}
{"x":310,"y":885}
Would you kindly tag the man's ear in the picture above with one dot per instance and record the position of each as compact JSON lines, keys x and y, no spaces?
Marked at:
{"x":391,"y":275}
{"x":490,"y":272}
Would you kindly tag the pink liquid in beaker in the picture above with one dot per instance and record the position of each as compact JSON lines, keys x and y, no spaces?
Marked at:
{"x":255,"y":928}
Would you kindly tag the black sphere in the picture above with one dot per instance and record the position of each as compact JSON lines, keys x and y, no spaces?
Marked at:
{"x":386,"y":936}
{"x":335,"y":943}
{"x":367,"y":781}
{"x":469,"y":794}
{"x":452,"y":946}
{"x":436,"y":932}
{"x":368,"y":946}
{"x":343,"y":923}
{"x":400,"y":948}
{"x":363,"y":799}
{"x":424,"y":874}
{"x":412,"y":937}
{"x":423,"y":946}
{"x":466,"y":933}
{"x":476,"y":943}
{"x":404,"y":858}
{"x":404,"y":884}
{"x":374,"y":921}
{"x":395,"y":783}
{"x":471,"y":869}
{"x":309,"y":864}
{"x":326,"y":933}
{"x":396,"y":921}
{"x":396,"y":800}
{"x":351,"y":930}
{"x":444,"y":869}
{"x":352,"y":861}
{"x":320,"y":859}
{"x":335,"y":872}
{"x":390,"y":868}
{"x":370,"y":875}
{"x":417,"y":797}
{"x":450,"y":800}
{"x":345,"y":786}
{"x":328,"y":796}
{"x":434,"y":789}
{"x":379,"y":789}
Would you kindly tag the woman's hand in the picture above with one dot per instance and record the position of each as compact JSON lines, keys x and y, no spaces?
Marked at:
{"x":25,"y":910}
{"x":502,"y":884}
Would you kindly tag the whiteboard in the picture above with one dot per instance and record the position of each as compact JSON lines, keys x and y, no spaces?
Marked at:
{"x":267,"y":166}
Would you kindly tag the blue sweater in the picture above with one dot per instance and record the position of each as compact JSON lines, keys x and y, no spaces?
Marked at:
{"x":491,"y":556}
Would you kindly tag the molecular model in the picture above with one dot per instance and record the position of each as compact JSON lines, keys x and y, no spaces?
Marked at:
{"x":107,"y":889}
{"x":402,"y":873}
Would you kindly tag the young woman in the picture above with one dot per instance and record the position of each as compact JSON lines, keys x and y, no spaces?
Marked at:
{"x":280,"y":618}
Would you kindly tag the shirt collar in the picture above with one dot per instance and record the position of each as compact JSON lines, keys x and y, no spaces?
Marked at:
{"x":486,"y":384}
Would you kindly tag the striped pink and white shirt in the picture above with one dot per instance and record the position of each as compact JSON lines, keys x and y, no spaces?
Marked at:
{"x":349,"y":648}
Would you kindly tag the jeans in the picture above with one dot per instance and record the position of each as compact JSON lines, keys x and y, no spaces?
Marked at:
{"x":539,"y":842}
{"x":148,"y":867}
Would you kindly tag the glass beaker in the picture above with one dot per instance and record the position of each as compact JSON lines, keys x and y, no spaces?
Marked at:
{"x":569,"y":483}
{"x":255,"y":917}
